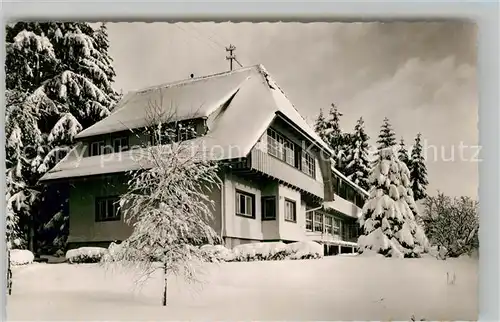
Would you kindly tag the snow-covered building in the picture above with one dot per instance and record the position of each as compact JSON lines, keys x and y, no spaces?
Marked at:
{"x":277,"y":180}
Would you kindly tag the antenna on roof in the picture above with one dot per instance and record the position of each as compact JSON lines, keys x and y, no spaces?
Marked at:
{"x":231,"y":57}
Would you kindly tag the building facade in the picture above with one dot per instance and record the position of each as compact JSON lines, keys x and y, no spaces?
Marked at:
{"x":277,"y":180}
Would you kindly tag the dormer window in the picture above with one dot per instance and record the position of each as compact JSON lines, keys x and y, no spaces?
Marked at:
{"x":185,"y":132}
{"x":96,"y":148}
{"x":120,"y":144}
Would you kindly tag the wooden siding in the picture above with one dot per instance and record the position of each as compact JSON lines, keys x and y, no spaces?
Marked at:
{"x":265,"y":163}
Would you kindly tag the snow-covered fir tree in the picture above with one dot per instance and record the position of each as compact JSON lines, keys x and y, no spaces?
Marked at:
{"x":388,"y":223}
{"x":403,"y":153}
{"x":418,"y":170}
{"x":321,"y":126}
{"x":358,"y":162}
{"x":386,"y":137}
{"x":168,"y":206}
{"x":329,"y":130}
{"x":58,"y":82}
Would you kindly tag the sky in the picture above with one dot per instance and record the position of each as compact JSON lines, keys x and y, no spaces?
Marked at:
{"x":420,"y":75}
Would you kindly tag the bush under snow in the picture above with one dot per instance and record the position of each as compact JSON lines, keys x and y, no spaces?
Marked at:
{"x":305,"y":250}
{"x":21,"y":257}
{"x":261,"y":251}
{"x":265,"y":251}
{"x":85,"y":255}
{"x":217,"y":253}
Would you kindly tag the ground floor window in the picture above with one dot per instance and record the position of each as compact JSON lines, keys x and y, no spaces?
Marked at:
{"x":318,"y":222}
{"x":336,"y":226}
{"x":245,"y":204}
{"x":328,"y":224}
{"x":309,"y":221}
{"x":268,"y":208}
{"x":290,"y":210}
{"x":107,"y":209}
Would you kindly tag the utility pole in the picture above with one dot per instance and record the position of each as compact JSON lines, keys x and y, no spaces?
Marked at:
{"x":231,"y":57}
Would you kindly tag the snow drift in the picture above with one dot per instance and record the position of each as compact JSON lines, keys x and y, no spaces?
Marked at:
{"x":21,"y":257}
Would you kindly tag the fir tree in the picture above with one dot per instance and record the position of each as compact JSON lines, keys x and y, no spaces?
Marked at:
{"x":388,"y":223}
{"x":58,"y":81}
{"x":321,"y":126}
{"x":418,"y":170}
{"x":358,"y":163}
{"x":337,"y":140}
{"x":403,"y":153}
{"x":386,"y":137}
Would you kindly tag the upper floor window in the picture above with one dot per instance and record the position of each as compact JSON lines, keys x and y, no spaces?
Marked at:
{"x":107,"y":209}
{"x":245,"y":204}
{"x":290,"y":210}
{"x":268,"y":208}
{"x":308,"y":164}
{"x":280,"y":147}
{"x":275,"y":144}
{"x":96,"y":148}
{"x":120,"y":144}
{"x":186,"y":132}
{"x":173,"y":132}
{"x":290,"y":153}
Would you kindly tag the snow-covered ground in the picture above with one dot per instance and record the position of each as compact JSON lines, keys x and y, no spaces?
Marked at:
{"x":332,"y":288}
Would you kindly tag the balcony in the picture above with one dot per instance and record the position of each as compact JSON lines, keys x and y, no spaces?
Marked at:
{"x":263,"y":162}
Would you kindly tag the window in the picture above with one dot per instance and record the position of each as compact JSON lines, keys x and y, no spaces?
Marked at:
{"x":359,"y":200}
{"x":96,"y":148}
{"x":309,"y":221}
{"x":290,"y":211}
{"x":336,"y":226}
{"x":308,"y":164}
{"x":275,"y":144}
{"x":328,"y":225}
{"x":162,"y":134}
{"x":318,"y":222}
{"x":245,"y":204}
{"x":185,"y":132}
{"x":335,"y":181}
{"x":350,"y":194}
{"x":268,"y":208}
{"x":120,"y":144}
{"x":290,"y":153}
{"x":342,"y":189}
{"x":107,"y":209}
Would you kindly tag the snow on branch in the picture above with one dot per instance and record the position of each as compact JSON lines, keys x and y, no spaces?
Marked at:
{"x":170,"y":211}
{"x":66,"y":128}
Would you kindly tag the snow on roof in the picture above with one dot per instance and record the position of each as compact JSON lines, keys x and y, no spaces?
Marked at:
{"x":254,"y":101}
{"x":192,"y":98}
{"x":355,"y":186}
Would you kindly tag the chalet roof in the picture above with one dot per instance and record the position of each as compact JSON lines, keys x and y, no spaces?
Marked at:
{"x":233,"y":129}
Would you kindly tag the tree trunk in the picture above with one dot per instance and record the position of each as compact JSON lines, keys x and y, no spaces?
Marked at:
{"x":164,"y":284}
{"x":9,"y":273}
{"x":31,"y":243}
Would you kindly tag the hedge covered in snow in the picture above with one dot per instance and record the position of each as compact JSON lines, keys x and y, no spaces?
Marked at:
{"x":85,"y":255}
{"x":266,"y":251}
{"x":21,"y":257}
